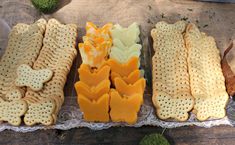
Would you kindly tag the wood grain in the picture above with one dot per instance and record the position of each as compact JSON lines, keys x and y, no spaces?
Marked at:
{"x":223,"y":135}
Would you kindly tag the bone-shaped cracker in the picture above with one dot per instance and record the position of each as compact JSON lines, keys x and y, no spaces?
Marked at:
{"x":24,"y":44}
{"x":170,"y":76}
{"x":12,"y":111}
{"x":40,"y":112}
{"x":176,"y":107}
{"x":206,"y":108}
{"x":207,"y":82}
{"x":14,"y":94}
{"x":34,"y":79}
{"x":58,"y":57}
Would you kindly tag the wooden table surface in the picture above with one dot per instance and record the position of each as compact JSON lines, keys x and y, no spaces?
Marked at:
{"x":222,"y":135}
{"x":217,"y":20}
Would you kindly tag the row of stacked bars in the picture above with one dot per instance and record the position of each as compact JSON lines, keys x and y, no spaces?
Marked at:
{"x":127,"y":94}
{"x":187,"y":74}
{"x":94,"y":85}
{"x":33,"y":71}
{"x":110,"y":53}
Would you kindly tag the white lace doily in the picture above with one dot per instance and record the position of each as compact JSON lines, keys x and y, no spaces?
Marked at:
{"x":71,"y":117}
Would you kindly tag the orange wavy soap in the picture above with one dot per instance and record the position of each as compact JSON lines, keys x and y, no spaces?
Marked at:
{"x":124,"y":108}
{"x":92,"y":77}
{"x":95,"y":110}
{"x":124,"y":69}
{"x":130,"y":79}
{"x":92,"y":93}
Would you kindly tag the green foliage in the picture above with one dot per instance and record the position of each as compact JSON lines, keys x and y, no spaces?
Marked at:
{"x":154,"y":139}
{"x":45,"y":6}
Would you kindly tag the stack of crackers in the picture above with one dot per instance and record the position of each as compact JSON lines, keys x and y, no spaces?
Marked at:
{"x":110,"y":53}
{"x":187,"y":74}
{"x":33,"y":71}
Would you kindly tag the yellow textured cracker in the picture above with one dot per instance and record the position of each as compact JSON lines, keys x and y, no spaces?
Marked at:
{"x":33,"y":97}
{"x":12,"y":111}
{"x":177,"y":106}
{"x":206,"y":79}
{"x":15,"y":93}
{"x":57,"y":54}
{"x":24,"y":45}
{"x":34,"y":79}
{"x":171,"y":90}
{"x":40,"y":112}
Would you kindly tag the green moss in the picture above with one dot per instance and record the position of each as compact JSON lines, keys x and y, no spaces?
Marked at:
{"x":154,"y":139}
{"x":45,"y":6}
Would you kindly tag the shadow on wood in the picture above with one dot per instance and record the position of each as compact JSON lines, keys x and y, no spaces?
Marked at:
{"x":62,"y":3}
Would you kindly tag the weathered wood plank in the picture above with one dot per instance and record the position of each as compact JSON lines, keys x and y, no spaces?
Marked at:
{"x":119,"y":135}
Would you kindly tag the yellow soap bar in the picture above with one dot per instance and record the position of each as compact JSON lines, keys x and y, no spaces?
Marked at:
{"x":124,"y":108}
{"x":130,"y":79}
{"x":92,"y":93}
{"x":95,"y":110}
{"x":123,"y":69}
{"x":92,"y":77}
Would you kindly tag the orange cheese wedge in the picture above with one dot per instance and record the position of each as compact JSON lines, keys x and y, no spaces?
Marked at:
{"x":98,"y":35}
{"x":130,"y":89}
{"x":92,"y":77}
{"x":127,"y":90}
{"x":96,"y":44}
{"x":93,"y":93}
{"x":94,"y":55}
{"x":95,"y":110}
{"x":124,"y":108}
{"x":130,"y":79}
{"x":124,"y":69}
